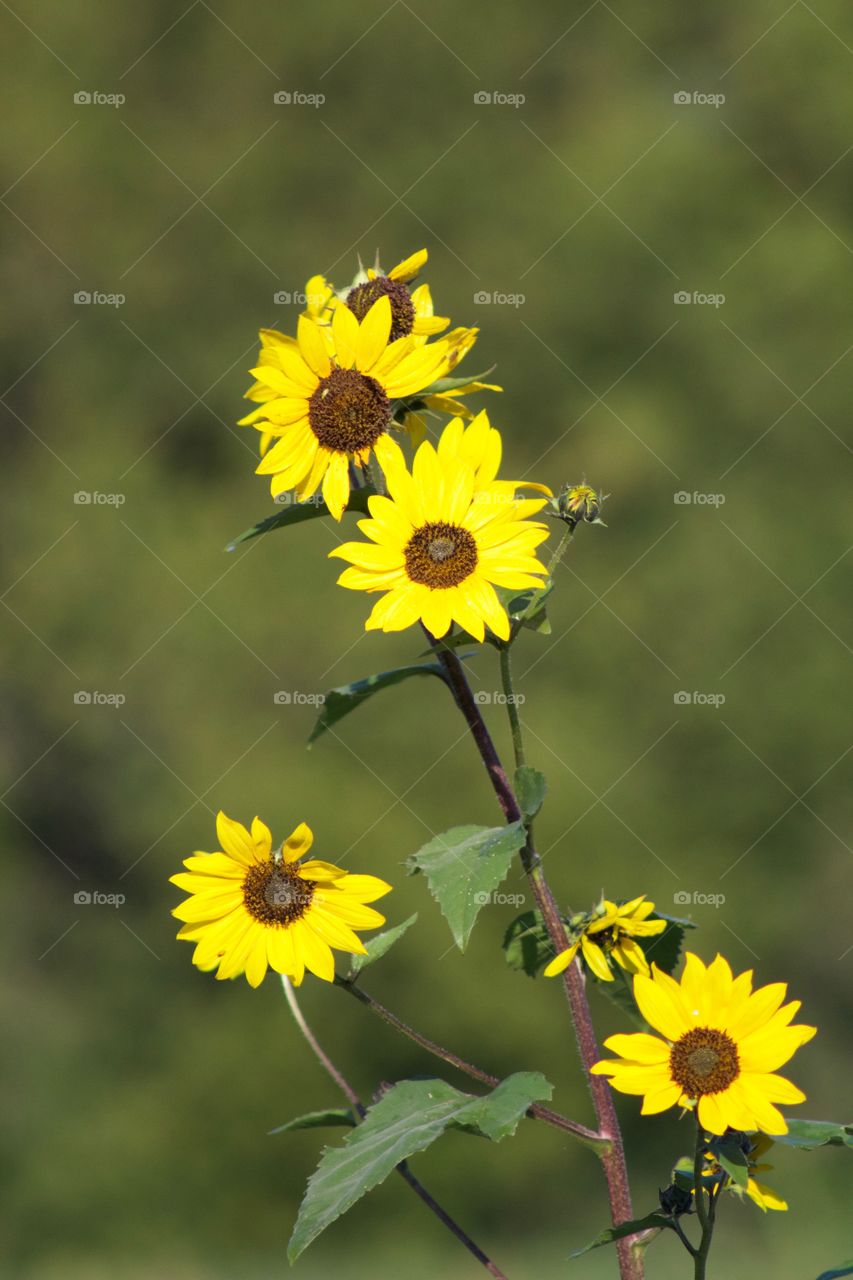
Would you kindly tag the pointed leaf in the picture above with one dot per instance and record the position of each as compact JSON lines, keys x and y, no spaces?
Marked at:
{"x":463,"y":867}
{"x":846,"y":1269}
{"x":378,"y":945}
{"x":407,"y":1119}
{"x":296,"y":512}
{"x":612,"y":1234}
{"x":808,"y":1134}
{"x":345,"y":698}
{"x":332,"y":1118}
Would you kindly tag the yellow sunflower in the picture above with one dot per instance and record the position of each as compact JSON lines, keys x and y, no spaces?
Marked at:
{"x":608,"y":934}
{"x":250,"y":907}
{"x":411,"y":309}
{"x":445,"y":536}
{"x":329,"y":396}
{"x":722,"y":1044}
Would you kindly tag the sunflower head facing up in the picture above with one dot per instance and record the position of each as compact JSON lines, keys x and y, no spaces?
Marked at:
{"x":609,"y":934}
{"x":251,"y":908}
{"x":719,"y":1047}
{"x":328,"y":398}
{"x":442,"y":539}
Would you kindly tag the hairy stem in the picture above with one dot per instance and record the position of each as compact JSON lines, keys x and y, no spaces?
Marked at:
{"x":535,"y":1111}
{"x":613,"y":1157}
{"x":357,"y":1106}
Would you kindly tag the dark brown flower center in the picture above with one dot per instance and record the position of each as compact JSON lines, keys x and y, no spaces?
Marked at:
{"x":362,"y":297}
{"x":349,"y":411}
{"x":440,"y":555}
{"x":704,"y":1061}
{"x":275,"y":894}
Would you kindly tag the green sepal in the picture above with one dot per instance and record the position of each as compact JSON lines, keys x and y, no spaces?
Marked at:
{"x":345,"y":698}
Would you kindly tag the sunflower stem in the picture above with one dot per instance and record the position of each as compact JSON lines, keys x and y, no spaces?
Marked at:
{"x":613,"y":1157}
{"x":359,"y":1108}
{"x":705,"y":1213}
{"x":535,"y":1111}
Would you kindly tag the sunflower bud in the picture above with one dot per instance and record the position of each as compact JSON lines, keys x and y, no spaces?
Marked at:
{"x":579,"y":503}
{"x":675,"y":1200}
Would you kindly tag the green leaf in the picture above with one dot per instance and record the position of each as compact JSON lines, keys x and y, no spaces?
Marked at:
{"x":345,"y":698}
{"x":298,"y":512}
{"x":378,"y":945}
{"x":527,"y":608}
{"x":332,"y":1118}
{"x":530,"y":787}
{"x":450,"y":384}
{"x":665,"y":948}
{"x":612,"y":1234}
{"x":407,"y":1119}
{"x":621,"y":993}
{"x":526,"y":944}
{"x":809,"y":1134}
{"x":464,"y":866}
{"x":846,"y":1269}
{"x":731,"y":1157}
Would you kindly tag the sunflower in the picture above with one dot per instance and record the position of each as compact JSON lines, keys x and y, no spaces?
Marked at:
{"x":250,"y":907}
{"x":608,"y":934}
{"x":445,"y":536}
{"x":411,"y":309}
{"x":722,"y":1044}
{"x":330,"y":396}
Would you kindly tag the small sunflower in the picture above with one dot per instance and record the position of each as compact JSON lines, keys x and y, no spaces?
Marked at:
{"x":411,"y":309}
{"x":250,"y":907}
{"x":330,"y":396}
{"x":445,"y":536}
{"x":721,"y":1047}
{"x":608,"y":934}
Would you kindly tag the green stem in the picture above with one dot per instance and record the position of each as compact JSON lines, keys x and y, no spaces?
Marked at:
{"x":535,"y":1111}
{"x":705,"y":1213}
{"x":512,"y":708}
{"x":560,"y":549}
{"x":403,"y":1167}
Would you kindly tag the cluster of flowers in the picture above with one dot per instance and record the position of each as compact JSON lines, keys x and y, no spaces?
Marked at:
{"x":443,"y":537}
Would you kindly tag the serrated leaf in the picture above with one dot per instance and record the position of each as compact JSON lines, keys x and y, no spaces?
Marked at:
{"x":378,"y":945}
{"x":333,"y":1118}
{"x":463,"y":867}
{"x":406,"y":1120}
{"x":809,"y":1134}
{"x":530,"y":787}
{"x":527,"y":945}
{"x":612,"y":1234}
{"x":298,"y":512}
{"x":345,"y":698}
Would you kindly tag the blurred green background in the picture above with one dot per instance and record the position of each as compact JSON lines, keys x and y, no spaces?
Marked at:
{"x":137,"y":1092}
